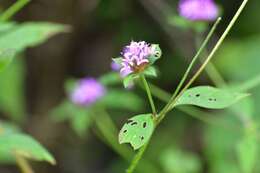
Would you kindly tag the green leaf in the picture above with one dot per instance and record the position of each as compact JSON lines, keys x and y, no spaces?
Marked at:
{"x":70,"y":85}
{"x":5,"y":27}
{"x":81,"y":121}
{"x":78,"y":117}
{"x":63,"y":112}
{"x":247,"y":149}
{"x":245,"y":108}
{"x":150,"y":71}
{"x":110,"y":79}
{"x":12,"y":99}
{"x":118,"y":60}
{"x":157,"y":55}
{"x":176,"y":160}
{"x":209,"y":97}
{"x":6,"y":56}
{"x":29,"y":34}
{"x":128,"y":81}
{"x":180,"y":22}
{"x":119,"y":99}
{"x":137,"y":130}
{"x":25,"y":146}
{"x":8,"y":128}
{"x":186,"y":24}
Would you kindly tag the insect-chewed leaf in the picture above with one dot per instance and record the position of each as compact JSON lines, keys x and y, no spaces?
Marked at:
{"x":209,"y":97}
{"x":137,"y":130}
{"x":157,"y":55}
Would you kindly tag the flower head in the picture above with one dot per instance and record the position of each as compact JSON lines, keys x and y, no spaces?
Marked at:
{"x":87,"y":92}
{"x":198,"y":10}
{"x":136,"y":57}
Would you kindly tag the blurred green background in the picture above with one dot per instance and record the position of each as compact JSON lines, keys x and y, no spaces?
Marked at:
{"x":33,"y":85}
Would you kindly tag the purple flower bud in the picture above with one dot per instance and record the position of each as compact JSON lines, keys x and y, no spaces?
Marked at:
{"x":87,"y":92}
{"x":135,"y":57}
{"x":198,"y":10}
{"x":115,"y":66}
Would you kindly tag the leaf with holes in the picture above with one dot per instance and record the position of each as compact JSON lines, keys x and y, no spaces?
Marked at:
{"x":210,"y":97}
{"x":137,"y":130}
{"x":157,"y":55}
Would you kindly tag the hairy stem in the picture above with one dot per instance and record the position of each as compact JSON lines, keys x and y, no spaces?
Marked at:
{"x":148,"y":91}
{"x":13,"y":10}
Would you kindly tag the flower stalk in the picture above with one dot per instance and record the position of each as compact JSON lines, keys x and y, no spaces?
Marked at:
{"x":149,"y":94}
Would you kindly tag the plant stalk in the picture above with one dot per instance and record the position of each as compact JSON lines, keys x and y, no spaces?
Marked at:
{"x":148,"y":91}
{"x":11,"y":11}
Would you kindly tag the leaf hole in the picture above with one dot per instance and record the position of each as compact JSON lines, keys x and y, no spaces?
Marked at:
{"x":197,"y":95}
{"x":144,"y":124}
{"x":142,"y":138}
{"x":124,"y":131}
{"x":134,"y":123}
{"x":129,"y":121}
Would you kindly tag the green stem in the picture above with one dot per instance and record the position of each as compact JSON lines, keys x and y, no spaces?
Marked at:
{"x":13,"y":10}
{"x":149,"y":95}
{"x":137,"y":158}
{"x":23,"y":164}
{"x":194,"y":59}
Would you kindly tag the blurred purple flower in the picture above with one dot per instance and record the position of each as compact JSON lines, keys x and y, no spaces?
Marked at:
{"x":87,"y":92}
{"x":135,"y":57}
{"x":115,"y":66}
{"x":198,"y":10}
